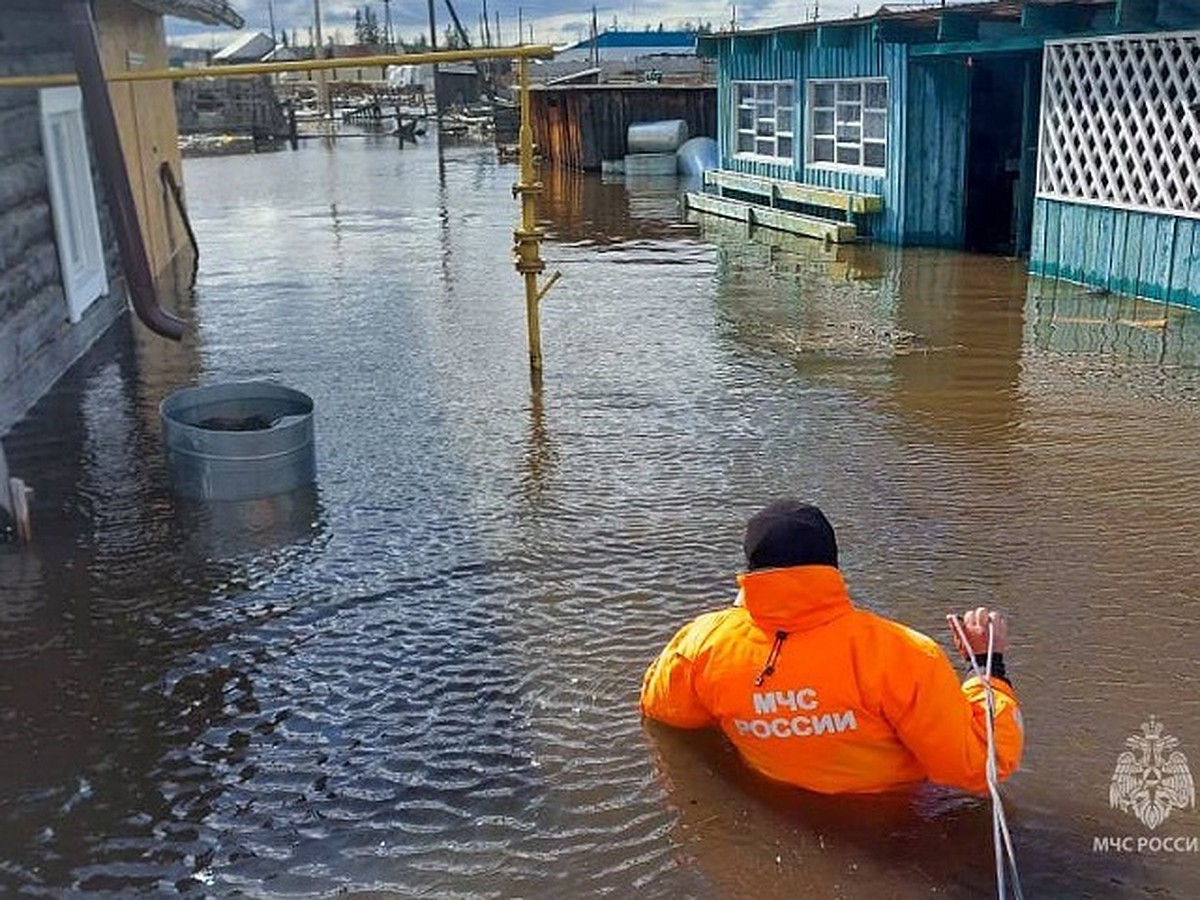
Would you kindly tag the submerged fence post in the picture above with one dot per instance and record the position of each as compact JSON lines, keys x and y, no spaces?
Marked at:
{"x":14,"y":504}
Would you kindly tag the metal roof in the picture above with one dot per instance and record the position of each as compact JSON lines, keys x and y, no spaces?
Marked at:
{"x":917,"y":13}
{"x":210,"y":12}
{"x":614,"y":40}
{"x":252,"y":46}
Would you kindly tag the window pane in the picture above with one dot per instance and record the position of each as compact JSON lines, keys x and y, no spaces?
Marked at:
{"x":874,"y":125}
{"x":745,"y":118}
{"x":745,"y":142}
{"x":766,"y":128}
{"x":849,"y":91}
{"x":847,"y":120}
{"x":764,"y":147}
{"x":783,"y":95}
{"x":784,"y":148}
{"x":765,"y":93}
{"x":783,"y":118}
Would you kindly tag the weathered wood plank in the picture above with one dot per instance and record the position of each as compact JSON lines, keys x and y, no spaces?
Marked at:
{"x":1037,"y":240}
{"x":1190,"y":283}
{"x":795,"y":192}
{"x":778,"y":219}
{"x":1118,"y":281}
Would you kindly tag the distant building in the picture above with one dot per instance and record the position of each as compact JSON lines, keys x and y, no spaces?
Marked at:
{"x":627,"y":57}
{"x":251,"y":47}
{"x":626,"y":46}
{"x":1067,"y":130}
{"x":188,"y":57}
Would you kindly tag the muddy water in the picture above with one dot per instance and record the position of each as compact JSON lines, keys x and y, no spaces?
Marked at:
{"x":421,"y":678}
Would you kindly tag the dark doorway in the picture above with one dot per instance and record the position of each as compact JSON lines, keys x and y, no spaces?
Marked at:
{"x":1001,"y":151}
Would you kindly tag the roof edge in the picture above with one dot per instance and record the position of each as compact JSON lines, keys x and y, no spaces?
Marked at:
{"x":209,"y":12}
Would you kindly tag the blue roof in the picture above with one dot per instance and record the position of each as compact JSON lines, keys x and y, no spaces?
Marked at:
{"x":682,"y":41}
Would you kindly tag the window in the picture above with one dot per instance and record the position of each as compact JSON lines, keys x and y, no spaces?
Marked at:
{"x":69,"y":173}
{"x":766,"y":113}
{"x":847,"y":123}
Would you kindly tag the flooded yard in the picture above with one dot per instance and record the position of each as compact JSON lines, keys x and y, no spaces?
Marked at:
{"x":421,"y":678}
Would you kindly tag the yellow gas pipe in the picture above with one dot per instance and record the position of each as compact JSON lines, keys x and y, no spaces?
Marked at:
{"x":527,"y":237}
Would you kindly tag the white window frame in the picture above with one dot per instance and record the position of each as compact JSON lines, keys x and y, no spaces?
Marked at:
{"x":72,"y":199}
{"x":760,"y":118}
{"x":849,"y":115}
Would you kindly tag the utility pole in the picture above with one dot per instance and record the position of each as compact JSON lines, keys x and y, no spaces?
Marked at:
{"x":322,"y":93}
{"x":271,"y":19}
{"x":387,"y":25}
{"x":437,"y":106}
{"x":520,"y":25}
{"x":595,"y":50}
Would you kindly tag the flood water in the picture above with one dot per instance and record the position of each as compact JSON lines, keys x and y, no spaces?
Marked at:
{"x":421,"y":678}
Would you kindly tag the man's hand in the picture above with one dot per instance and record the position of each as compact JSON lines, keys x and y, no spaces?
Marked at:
{"x":975,"y":624}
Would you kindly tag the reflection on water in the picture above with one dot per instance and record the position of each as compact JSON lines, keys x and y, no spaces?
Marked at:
{"x":421,"y":677}
{"x":256,"y":527}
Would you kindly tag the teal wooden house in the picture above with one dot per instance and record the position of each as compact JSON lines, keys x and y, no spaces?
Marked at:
{"x":1067,"y":131}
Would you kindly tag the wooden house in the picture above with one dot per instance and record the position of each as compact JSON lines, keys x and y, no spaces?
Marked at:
{"x":1065,"y":130}
{"x":62,"y":282}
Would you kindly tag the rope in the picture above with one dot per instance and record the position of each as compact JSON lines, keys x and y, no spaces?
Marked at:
{"x":1001,"y":839}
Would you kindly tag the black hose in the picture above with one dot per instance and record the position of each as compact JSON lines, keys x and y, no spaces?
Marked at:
{"x":167,"y":176}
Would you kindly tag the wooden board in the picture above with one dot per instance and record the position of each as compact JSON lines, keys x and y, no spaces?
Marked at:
{"x":777,"y":219}
{"x":795,"y":192}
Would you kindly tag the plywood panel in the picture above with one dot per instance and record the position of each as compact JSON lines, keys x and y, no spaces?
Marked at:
{"x":134,"y":38}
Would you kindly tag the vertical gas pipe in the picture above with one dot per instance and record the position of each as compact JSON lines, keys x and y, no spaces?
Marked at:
{"x":527,"y":238}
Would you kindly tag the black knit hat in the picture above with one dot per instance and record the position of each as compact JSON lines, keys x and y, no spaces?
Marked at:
{"x":790,"y":533}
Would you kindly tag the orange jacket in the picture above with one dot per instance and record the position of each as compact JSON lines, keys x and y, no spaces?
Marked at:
{"x":845,"y":701}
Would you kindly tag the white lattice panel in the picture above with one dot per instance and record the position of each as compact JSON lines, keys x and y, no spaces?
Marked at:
{"x":1121,"y":122}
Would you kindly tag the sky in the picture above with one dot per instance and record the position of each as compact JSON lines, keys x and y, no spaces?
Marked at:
{"x":551,"y":21}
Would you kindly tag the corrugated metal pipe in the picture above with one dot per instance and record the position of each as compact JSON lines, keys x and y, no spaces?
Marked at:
{"x":97,"y":104}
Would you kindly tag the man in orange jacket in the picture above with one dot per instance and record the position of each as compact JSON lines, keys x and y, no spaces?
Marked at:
{"x":815,"y":692}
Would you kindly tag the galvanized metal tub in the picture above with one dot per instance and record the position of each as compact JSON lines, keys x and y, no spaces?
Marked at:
{"x":238,"y":441}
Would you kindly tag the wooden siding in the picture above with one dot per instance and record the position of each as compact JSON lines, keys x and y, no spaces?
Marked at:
{"x":580,"y":126}
{"x":37,"y":343}
{"x":935,"y":165}
{"x":796,"y":56}
{"x":1151,"y":255}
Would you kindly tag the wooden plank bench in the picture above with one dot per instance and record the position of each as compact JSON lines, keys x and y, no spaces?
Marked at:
{"x":779,"y":219}
{"x":772,"y":190}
